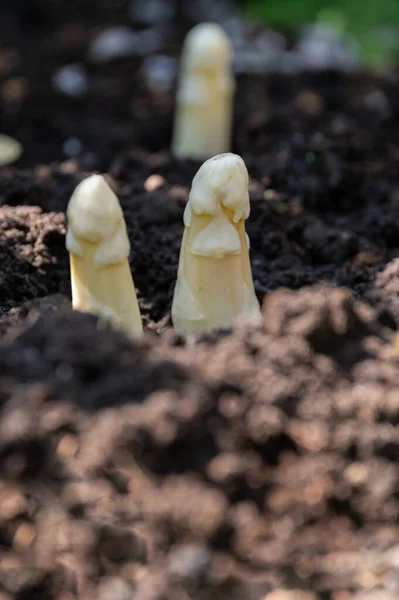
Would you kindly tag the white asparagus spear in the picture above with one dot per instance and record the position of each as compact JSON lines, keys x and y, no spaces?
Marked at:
{"x":97,"y":241}
{"x":214,"y":284}
{"x":204,"y":101}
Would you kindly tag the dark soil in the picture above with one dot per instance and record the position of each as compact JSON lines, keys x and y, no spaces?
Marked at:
{"x":257,"y":464}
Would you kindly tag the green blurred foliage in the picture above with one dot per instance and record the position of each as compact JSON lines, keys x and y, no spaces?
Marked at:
{"x":373,"y":23}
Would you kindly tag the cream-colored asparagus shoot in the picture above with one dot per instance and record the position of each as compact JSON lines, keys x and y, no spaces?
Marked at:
{"x":10,"y":150}
{"x":204,"y":101}
{"x":99,"y":247}
{"x":214,"y":283}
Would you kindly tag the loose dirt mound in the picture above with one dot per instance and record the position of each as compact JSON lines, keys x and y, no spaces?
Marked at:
{"x":246,"y":463}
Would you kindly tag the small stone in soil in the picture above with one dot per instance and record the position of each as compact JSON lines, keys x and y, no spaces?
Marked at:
{"x":71,"y":80}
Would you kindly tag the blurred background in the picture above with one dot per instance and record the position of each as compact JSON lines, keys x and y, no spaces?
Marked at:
{"x":371,"y":26}
{"x":78,"y":75}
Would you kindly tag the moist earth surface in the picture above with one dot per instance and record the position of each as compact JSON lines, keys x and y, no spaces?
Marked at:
{"x":254,"y":464}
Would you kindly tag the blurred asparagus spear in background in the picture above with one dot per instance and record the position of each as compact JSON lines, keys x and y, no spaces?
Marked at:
{"x":203,"y":120}
{"x":10,"y":150}
{"x":214,"y":284}
{"x":99,"y":247}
